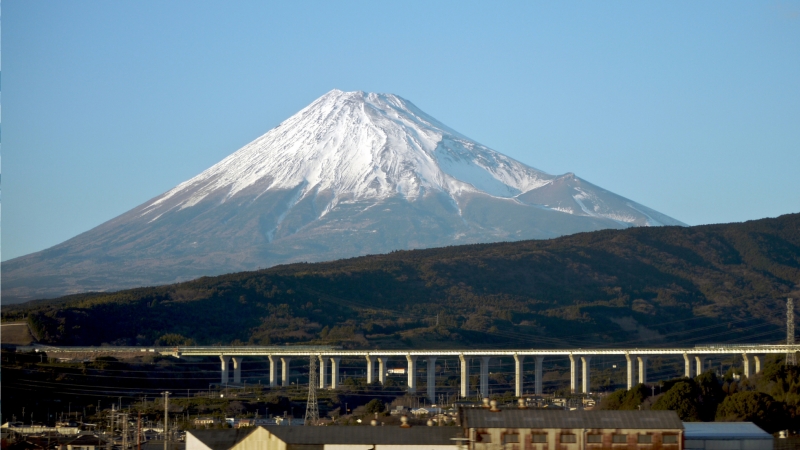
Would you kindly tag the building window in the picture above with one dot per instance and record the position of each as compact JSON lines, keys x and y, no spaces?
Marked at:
{"x":594,"y":438}
{"x":569,"y":438}
{"x":670,"y":439}
{"x":619,"y":438}
{"x":538,"y":438}
{"x":510,"y":438}
{"x":645,"y":439}
{"x":485,"y":437}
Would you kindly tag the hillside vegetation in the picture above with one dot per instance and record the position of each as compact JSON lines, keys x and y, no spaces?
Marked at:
{"x":654,"y":286}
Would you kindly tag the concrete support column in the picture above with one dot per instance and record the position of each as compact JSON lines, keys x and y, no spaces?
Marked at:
{"x":757,"y":360}
{"x":518,"y":374}
{"x":237,"y":369}
{"x":285,"y":361}
{"x":323,"y":372}
{"x":746,"y":362}
{"x":335,"y":371}
{"x":370,"y":371}
{"x":642,"y":369}
{"x":586,"y":384}
{"x":412,"y":373}
{"x":431,"y":379}
{"x":699,"y":360}
{"x":630,"y":371}
{"x":687,"y":366}
{"x":538,"y":374}
{"x":224,"y":360}
{"x":382,"y":360}
{"x":573,"y":374}
{"x":485,"y":376}
{"x":273,"y":373}
{"x":464,"y":376}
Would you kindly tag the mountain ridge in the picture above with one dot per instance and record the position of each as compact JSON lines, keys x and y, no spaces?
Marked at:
{"x":651,"y":286}
{"x":353,"y":173}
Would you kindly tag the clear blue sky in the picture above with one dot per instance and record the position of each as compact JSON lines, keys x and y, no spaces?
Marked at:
{"x":691,"y":108}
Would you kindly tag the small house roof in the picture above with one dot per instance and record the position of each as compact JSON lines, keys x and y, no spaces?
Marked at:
{"x":366,"y":435}
{"x":724,"y":430}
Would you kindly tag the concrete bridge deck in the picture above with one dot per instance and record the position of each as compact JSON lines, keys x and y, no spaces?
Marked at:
{"x":636,"y":358}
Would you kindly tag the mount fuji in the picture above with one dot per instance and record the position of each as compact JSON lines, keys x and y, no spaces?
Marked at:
{"x":351,"y":174}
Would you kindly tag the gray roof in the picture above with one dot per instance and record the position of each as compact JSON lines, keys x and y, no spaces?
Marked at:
{"x":366,"y":435}
{"x":221,"y":439}
{"x":356,"y":435}
{"x":538,"y":418}
{"x":724,"y":430}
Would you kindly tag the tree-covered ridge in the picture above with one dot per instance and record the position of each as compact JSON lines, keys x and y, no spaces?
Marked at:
{"x":642,"y":285}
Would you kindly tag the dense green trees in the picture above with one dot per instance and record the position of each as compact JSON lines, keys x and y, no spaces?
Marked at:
{"x":703,"y":398}
{"x":683,"y":397}
{"x":755,"y":407}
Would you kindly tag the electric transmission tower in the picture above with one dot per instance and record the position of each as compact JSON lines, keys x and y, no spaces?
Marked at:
{"x":312,"y":409}
{"x":791,"y":356}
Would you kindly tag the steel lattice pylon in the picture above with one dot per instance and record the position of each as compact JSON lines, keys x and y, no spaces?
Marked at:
{"x":791,"y":357}
{"x":312,"y":408}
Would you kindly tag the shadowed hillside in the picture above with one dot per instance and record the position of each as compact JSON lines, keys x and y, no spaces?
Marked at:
{"x":654,"y":286}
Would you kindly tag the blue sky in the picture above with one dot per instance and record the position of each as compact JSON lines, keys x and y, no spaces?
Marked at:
{"x":691,"y":108}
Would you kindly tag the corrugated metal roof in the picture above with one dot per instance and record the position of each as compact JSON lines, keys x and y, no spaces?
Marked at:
{"x":724,"y":430}
{"x":366,"y":435}
{"x":537,"y":418}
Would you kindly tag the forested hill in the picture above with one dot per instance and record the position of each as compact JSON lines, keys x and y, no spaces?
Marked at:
{"x":653,"y":286}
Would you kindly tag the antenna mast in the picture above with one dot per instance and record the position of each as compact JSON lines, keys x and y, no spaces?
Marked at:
{"x":791,"y":356}
{"x":312,"y":408}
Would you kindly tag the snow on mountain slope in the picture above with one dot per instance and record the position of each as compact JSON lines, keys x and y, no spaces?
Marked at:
{"x":359,"y":146}
{"x":353,"y":173}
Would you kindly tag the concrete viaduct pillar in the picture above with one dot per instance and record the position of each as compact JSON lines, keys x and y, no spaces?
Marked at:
{"x":382,"y":360}
{"x":237,"y":369}
{"x":629,"y":375}
{"x":746,"y":363}
{"x":224,"y":360}
{"x":699,"y":360}
{"x":370,"y":371}
{"x":518,"y":359}
{"x":335,"y":371}
{"x":642,"y":369}
{"x":573,"y":374}
{"x":538,"y":374}
{"x":464,"y":376}
{"x":273,"y":373}
{"x":585,"y":378}
{"x":431,"y":381}
{"x":687,"y":366}
{"x":323,"y":372}
{"x":485,"y":376}
{"x":757,"y":360}
{"x":285,"y":361}
{"x":412,"y":373}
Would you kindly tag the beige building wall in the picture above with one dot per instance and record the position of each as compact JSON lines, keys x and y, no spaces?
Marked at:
{"x":192,"y":443}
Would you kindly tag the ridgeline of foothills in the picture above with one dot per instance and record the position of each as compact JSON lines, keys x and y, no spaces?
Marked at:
{"x":639,"y":286}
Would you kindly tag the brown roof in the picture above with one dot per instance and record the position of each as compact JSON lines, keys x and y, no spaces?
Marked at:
{"x":537,"y":418}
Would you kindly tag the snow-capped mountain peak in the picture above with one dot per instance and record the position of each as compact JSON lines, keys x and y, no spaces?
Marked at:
{"x":360,"y":146}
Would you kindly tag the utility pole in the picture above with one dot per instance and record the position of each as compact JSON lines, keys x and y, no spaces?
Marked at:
{"x":125,"y":431}
{"x":139,"y":432}
{"x":166,"y":418}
